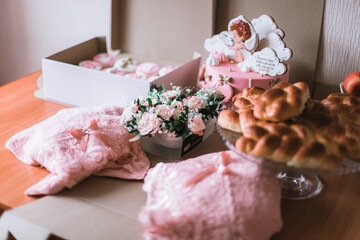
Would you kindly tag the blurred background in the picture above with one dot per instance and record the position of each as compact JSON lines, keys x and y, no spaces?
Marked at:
{"x":31,"y":30}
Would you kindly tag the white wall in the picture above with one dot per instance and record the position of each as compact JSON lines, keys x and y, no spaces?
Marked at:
{"x":33,"y":29}
{"x":339,"y":52}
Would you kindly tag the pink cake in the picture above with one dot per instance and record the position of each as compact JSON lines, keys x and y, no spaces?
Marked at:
{"x":248,"y":54}
{"x":239,"y":80}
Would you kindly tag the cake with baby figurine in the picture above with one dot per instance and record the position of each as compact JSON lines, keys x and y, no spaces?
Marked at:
{"x":248,"y":54}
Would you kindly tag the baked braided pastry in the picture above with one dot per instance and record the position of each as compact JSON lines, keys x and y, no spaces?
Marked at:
{"x":247,"y":98}
{"x":314,"y":134}
{"x":345,"y":129}
{"x":282,"y":102}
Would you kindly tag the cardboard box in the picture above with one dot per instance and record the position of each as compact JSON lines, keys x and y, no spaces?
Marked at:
{"x":97,"y":208}
{"x":66,"y":82}
{"x":143,"y":35}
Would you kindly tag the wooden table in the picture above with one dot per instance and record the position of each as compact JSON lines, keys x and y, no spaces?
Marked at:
{"x":20,"y":109}
{"x":335,"y":214}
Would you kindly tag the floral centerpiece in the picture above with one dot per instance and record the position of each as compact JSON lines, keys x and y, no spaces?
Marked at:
{"x":176,"y":112}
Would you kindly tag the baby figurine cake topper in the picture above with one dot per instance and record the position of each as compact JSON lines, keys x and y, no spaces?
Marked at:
{"x":256,"y":46}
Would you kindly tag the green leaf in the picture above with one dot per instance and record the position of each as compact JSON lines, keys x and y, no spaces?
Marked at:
{"x":149,"y":101}
{"x":163,"y":88}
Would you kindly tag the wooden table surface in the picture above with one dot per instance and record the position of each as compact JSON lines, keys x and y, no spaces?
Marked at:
{"x":20,"y":109}
{"x":335,"y":214}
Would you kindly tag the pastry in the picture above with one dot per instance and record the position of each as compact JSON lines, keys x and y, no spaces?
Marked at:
{"x":282,"y":102}
{"x":147,"y":69}
{"x":229,"y":119}
{"x":310,"y":134}
{"x":345,"y":129}
{"x":247,"y":98}
{"x":105,"y":59}
{"x":113,"y":70}
{"x":90,"y":64}
{"x":126,"y":64}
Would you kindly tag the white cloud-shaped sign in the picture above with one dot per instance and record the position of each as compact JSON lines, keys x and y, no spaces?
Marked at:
{"x":264,"y":25}
{"x":271,"y":36}
{"x":264,"y":62}
{"x":275,"y":42}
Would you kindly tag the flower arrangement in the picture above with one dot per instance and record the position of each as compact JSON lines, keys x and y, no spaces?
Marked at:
{"x":175,"y":112}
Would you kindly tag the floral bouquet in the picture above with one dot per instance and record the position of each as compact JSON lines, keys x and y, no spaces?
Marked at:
{"x":176,"y":112}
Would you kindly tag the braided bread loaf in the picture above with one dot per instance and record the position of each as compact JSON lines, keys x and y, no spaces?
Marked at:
{"x":282,"y":102}
{"x":247,"y":98}
{"x":305,"y":133}
{"x":291,"y":144}
{"x":345,"y":129}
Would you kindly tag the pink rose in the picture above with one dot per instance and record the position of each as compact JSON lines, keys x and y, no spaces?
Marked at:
{"x":195,"y":102}
{"x":149,"y":123}
{"x":178,"y":108}
{"x":164,"y":111}
{"x":196,"y":125}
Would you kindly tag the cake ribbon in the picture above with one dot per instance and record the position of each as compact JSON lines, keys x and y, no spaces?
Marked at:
{"x":221,"y":166}
{"x":82,"y":135}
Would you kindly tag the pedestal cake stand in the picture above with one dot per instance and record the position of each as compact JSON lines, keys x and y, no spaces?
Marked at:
{"x":296,"y":183}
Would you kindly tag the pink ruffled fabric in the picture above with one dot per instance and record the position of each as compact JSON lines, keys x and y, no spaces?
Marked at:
{"x":78,"y":142}
{"x":214,"y":196}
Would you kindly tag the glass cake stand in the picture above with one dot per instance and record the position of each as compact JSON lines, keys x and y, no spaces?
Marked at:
{"x":296,"y":183}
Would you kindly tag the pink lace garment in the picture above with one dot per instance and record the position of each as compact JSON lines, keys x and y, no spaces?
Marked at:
{"x":214,"y":196}
{"x":78,"y":142}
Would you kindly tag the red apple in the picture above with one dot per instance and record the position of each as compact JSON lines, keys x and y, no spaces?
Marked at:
{"x":352,"y":84}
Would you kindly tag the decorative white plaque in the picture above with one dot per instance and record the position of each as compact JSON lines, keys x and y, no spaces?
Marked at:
{"x":265,"y":62}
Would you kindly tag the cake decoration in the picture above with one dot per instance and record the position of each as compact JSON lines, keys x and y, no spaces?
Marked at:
{"x":251,"y":53}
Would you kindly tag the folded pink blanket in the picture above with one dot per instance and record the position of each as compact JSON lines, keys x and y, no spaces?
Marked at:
{"x":214,"y":196}
{"x":78,"y":142}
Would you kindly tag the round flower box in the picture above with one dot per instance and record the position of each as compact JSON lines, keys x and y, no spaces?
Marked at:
{"x":171,"y":147}
{"x":172,"y":122}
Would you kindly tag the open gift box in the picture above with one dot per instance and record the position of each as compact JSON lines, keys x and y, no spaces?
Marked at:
{"x":144,"y":36}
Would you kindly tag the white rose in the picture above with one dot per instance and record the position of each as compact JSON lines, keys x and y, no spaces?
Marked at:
{"x":196,"y":125}
{"x":164,"y":111}
{"x":170,"y":94}
{"x":149,"y":123}
{"x":129,"y":112}
{"x":213,"y":90}
{"x":178,"y":108}
{"x":195,"y":102}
